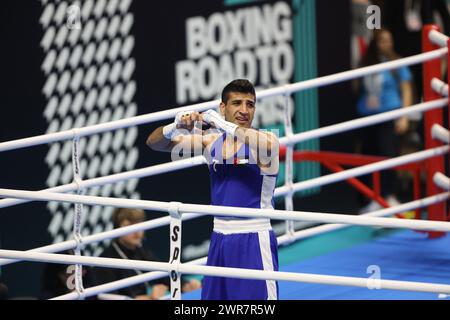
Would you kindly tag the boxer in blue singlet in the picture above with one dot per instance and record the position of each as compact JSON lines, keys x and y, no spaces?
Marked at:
{"x":241,"y":176}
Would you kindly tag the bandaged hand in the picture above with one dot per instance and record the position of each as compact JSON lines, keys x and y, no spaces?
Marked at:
{"x":215,"y":119}
{"x":183,"y":120}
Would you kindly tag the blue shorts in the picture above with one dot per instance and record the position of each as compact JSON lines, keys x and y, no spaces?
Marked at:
{"x":254,"y":248}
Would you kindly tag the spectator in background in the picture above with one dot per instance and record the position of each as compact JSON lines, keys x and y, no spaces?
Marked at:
{"x":360,"y":33}
{"x":406,"y":18}
{"x":130,"y":247}
{"x":58,"y":279}
{"x":379,"y":93}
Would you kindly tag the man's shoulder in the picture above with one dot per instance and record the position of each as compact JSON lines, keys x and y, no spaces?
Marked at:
{"x":210,"y":135}
{"x":213,"y":133}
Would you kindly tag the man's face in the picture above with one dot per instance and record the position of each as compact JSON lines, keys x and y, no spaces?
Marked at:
{"x":131,"y":240}
{"x":239,"y":109}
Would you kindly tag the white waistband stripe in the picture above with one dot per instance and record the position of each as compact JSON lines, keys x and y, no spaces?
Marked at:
{"x":241,"y":226}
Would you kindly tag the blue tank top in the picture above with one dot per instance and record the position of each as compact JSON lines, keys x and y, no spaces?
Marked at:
{"x":239,"y":181}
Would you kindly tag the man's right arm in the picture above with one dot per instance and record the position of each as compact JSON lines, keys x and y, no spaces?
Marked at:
{"x":158,"y":142}
{"x":164,"y":138}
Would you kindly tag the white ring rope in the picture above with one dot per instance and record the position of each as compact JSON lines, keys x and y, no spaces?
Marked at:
{"x":364,"y":122}
{"x":362,"y":170}
{"x":133,"y":174}
{"x":106,"y":235}
{"x":181,"y":164}
{"x":441,"y":181}
{"x":440,"y":87}
{"x":282,"y":240}
{"x":438,"y":38}
{"x":167,"y":114}
{"x":226,"y":272}
{"x":404,"y":207}
{"x":198,"y":160}
{"x":123,"y":283}
{"x":160,"y":222}
{"x":287,"y":190}
{"x":232,"y":211}
{"x":440,"y":133}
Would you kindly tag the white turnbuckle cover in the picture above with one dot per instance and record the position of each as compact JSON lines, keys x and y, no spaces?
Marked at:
{"x":175,"y":250}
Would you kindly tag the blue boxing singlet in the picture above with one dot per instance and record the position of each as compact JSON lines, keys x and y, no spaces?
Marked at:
{"x":240,"y":242}
{"x":239,"y":181}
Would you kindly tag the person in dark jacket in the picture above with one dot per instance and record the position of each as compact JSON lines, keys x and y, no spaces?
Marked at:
{"x":130,"y":247}
{"x":58,"y":279}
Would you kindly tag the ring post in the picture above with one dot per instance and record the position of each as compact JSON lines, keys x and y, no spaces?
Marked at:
{"x":432,"y":69}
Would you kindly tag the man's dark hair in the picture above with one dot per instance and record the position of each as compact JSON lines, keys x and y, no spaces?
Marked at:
{"x":238,"y":85}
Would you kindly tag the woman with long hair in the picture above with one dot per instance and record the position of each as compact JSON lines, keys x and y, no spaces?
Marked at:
{"x":378,"y":93}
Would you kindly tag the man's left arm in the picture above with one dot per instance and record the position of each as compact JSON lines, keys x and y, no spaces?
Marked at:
{"x":264,"y":144}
